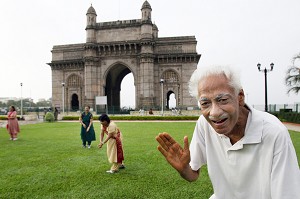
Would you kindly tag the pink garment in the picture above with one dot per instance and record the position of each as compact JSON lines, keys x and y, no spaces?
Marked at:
{"x":12,"y":122}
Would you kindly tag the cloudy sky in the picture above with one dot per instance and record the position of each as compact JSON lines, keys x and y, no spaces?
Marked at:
{"x":240,"y":33}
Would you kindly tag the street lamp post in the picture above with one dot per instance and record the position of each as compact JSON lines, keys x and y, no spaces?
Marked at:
{"x":162,"y":96}
{"x":63,"y":97}
{"x":265,"y":71}
{"x":21,"y":101}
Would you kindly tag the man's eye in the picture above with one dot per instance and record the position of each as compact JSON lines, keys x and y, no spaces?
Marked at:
{"x":204,"y":104}
{"x":223,"y":100}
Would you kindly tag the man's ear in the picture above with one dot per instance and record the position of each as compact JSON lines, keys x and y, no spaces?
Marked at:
{"x":241,"y":97}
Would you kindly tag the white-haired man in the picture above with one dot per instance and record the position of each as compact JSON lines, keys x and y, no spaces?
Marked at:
{"x":248,"y":153}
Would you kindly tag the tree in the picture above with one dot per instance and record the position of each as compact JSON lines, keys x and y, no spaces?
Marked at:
{"x":292,"y":78}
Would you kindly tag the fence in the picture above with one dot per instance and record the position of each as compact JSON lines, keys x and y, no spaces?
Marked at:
{"x":279,"y":107}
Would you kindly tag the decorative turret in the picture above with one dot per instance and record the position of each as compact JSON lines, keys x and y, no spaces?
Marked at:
{"x":146,"y":11}
{"x":91,"y":18}
{"x":146,"y":28}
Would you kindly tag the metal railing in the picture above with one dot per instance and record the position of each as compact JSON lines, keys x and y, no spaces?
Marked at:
{"x":279,"y":107}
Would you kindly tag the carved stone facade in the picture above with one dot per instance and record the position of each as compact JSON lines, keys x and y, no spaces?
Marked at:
{"x":115,"y":49}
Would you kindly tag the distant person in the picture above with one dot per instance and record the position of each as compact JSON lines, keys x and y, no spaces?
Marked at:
{"x":141,"y":111}
{"x":45,"y":112}
{"x":150,"y":111}
{"x":87,"y":129}
{"x":249,"y":153}
{"x":55,"y":114}
{"x":114,"y":143}
{"x":12,"y":123}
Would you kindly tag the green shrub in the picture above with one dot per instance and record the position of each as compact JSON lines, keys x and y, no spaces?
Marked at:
{"x":49,"y":117}
{"x":3,"y":117}
{"x":287,"y":116}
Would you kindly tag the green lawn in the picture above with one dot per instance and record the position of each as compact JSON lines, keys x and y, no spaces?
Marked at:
{"x":48,"y":162}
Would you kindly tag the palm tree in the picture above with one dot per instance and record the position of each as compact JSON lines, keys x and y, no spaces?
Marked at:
{"x":292,"y":78}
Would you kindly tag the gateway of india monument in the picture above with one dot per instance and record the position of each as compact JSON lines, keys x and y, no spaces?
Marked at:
{"x":85,"y":72}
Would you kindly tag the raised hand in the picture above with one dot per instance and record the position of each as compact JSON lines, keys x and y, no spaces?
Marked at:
{"x":177,"y":156}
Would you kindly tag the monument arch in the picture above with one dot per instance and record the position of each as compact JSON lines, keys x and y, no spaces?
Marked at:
{"x":114,"y":49}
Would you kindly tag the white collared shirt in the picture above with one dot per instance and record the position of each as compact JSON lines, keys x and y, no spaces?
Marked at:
{"x":261,"y":165}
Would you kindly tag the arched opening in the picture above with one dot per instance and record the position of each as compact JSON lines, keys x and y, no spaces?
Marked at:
{"x":73,"y":86}
{"x":171,"y":82}
{"x":74,"y":102}
{"x":171,"y":100}
{"x":113,"y":87}
{"x":128,"y":92}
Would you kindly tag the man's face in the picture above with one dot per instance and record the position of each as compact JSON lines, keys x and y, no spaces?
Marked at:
{"x":86,"y":109}
{"x":219,"y":103}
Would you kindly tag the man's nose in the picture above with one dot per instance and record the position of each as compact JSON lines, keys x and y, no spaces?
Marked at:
{"x":215,"y":111}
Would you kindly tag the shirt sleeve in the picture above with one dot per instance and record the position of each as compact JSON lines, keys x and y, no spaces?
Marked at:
{"x":197,"y":146}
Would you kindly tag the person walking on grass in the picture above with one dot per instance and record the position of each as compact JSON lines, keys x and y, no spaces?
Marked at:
{"x":249,"y":153}
{"x":87,"y":133}
{"x":12,"y":123}
{"x":114,"y":143}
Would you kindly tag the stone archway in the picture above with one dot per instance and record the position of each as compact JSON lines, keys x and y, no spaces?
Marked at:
{"x":135,"y":43}
{"x":74,"y":92}
{"x":172,"y":86}
{"x":114,"y":78}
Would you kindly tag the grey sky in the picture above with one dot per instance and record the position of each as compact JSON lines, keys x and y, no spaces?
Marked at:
{"x":229,"y":32}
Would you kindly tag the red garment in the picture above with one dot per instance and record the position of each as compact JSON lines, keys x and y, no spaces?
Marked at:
{"x":120,"y":155}
{"x":12,"y":122}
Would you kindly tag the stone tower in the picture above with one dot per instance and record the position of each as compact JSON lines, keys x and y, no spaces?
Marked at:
{"x":116,"y":48}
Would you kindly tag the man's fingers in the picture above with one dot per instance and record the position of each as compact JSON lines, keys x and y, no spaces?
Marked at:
{"x":186,"y":143}
{"x":168,"y":138}
{"x":163,"y":152}
{"x":164,"y":143}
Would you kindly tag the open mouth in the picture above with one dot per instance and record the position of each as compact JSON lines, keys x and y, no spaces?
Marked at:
{"x":219,"y":121}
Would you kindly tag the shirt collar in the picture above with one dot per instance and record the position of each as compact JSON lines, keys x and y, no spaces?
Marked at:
{"x":254,"y":127}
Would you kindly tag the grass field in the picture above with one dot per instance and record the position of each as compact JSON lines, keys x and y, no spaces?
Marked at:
{"x":48,"y":162}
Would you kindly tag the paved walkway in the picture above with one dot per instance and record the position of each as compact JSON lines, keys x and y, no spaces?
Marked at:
{"x":23,"y":122}
{"x":290,"y":126}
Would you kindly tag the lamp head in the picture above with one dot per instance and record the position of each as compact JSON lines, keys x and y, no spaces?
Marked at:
{"x":272,"y":66}
{"x":162,"y":81}
{"x":258,"y":66}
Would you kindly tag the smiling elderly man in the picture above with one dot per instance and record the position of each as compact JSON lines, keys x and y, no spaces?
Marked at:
{"x":249,"y":153}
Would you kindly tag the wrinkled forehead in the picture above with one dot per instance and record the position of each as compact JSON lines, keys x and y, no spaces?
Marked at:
{"x":214,"y":83}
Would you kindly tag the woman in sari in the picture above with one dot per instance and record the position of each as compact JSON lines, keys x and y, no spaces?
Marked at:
{"x":114,"y":143}
{"x":12,"y":123}
{"x":87,"y":129}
